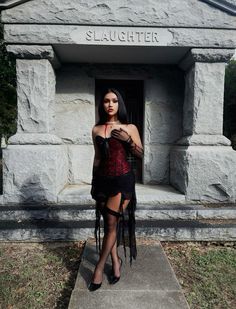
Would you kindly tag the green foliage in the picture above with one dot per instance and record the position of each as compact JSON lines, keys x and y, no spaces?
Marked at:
{"x":8,"y":109}
{"x":230,"y":99}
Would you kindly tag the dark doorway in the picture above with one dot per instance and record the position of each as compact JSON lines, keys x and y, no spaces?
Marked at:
{"x":132,"y":92}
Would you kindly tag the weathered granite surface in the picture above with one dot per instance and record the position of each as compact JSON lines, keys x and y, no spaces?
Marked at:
{"x":209,"y":55}
{"x":68,"y":34}
{"x":204,"y":139}
{"x":80,"y":158}
{"x":35,"y":96}
{"x":156,"y":168}
{"x":147,"y":195}
{"x":204,"y":92}
{"x":163,"y":230}
{"x":163,"y":107}
{"x":34,"y":173}
{"x":224,"y":5}
{"x":75,"y":105}
{"x":34,"y":52}
{"x":177,"y":13}
{"x":34,"y":139}
{"x":204,"y":173}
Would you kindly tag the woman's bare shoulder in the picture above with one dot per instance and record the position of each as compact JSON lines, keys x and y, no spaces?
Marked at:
{"x":97,"y":129}
{"x":132,"y":127}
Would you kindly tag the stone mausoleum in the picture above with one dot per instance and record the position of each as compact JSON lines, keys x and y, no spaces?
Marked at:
{"x":168,"y":60}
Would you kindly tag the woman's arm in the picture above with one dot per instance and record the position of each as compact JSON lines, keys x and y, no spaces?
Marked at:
{"x":132,"y":139}
{"x":97,"y":156}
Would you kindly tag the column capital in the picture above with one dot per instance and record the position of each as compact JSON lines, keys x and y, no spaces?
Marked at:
{"x":34,"y":52}
{"x":209,"y":55}
{"x":34,"y":139}
{"x":204,"y":140}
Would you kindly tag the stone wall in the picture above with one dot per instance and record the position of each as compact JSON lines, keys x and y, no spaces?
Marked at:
{"x":34,"y":173}
{"x":163,"y":122}
{"x":204,"y":173}
{"x":75,"y":117}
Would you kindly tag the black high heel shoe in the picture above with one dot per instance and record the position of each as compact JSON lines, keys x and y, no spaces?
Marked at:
{"x":94,"y":286}
{"x":114,"y":279}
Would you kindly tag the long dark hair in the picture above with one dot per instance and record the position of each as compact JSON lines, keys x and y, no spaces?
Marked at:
{"x":122,"y":112}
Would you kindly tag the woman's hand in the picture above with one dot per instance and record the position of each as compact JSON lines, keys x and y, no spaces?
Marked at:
{"x":120,"y":134}
{"x":134,"y":147}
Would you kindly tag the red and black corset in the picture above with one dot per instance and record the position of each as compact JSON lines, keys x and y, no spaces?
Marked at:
{"x":114,"y":156}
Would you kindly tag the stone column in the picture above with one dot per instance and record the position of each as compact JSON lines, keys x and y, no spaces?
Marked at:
{"x":203,"y":162}
{"x":35,"y":161}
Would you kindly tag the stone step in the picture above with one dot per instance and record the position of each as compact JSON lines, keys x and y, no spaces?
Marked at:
{"x":146,"y":194}
{"x":144,"y":212}
{"x":175,"y":230}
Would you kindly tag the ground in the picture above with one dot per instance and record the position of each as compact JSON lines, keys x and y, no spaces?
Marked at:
{"x":42,"y":275}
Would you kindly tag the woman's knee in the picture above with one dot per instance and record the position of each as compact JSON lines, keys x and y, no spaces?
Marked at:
{"x":111,"y":219}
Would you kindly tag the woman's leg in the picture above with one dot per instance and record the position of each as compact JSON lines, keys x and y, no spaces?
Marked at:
{"x":114,"y":251}
{"x":111,"y":217}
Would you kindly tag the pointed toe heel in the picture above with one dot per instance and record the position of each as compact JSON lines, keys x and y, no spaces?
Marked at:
{"x":94,"y":286}
{"x":114,"y":279}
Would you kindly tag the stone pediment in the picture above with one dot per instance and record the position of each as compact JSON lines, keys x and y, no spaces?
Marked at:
{"x":225,"y":5}
{"x":5,"y":4}
{"x":171,"y":13}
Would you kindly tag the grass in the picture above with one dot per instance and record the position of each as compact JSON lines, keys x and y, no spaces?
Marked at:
{"x":38,"y":275}
{"x":206,"y":272}
{"x":1,"y":175}
{"x":42,"y":275}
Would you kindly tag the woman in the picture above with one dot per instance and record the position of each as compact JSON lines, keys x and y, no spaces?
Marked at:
{"x":113,"y":184}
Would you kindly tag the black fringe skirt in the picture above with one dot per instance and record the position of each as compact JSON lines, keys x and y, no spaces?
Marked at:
{"x":104,"y":187}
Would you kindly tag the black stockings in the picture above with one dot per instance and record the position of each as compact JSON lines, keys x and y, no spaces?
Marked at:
{"x":111,"y":219}
{"x":109,"y":245}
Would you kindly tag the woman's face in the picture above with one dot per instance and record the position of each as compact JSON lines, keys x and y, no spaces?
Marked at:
{"x":110,"y":103}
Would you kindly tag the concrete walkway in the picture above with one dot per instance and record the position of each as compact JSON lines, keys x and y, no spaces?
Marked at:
{"x":150,"y":283}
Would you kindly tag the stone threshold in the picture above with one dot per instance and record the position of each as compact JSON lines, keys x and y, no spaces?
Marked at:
{"x":146,"y":194}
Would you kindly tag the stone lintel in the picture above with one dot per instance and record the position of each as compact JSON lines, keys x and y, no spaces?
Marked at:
{"x":209,"y":55}
{"x":119,"y":35}
{"x":34,"y":52}
{"x":34,"y":139}
{"x":204,"y":139}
